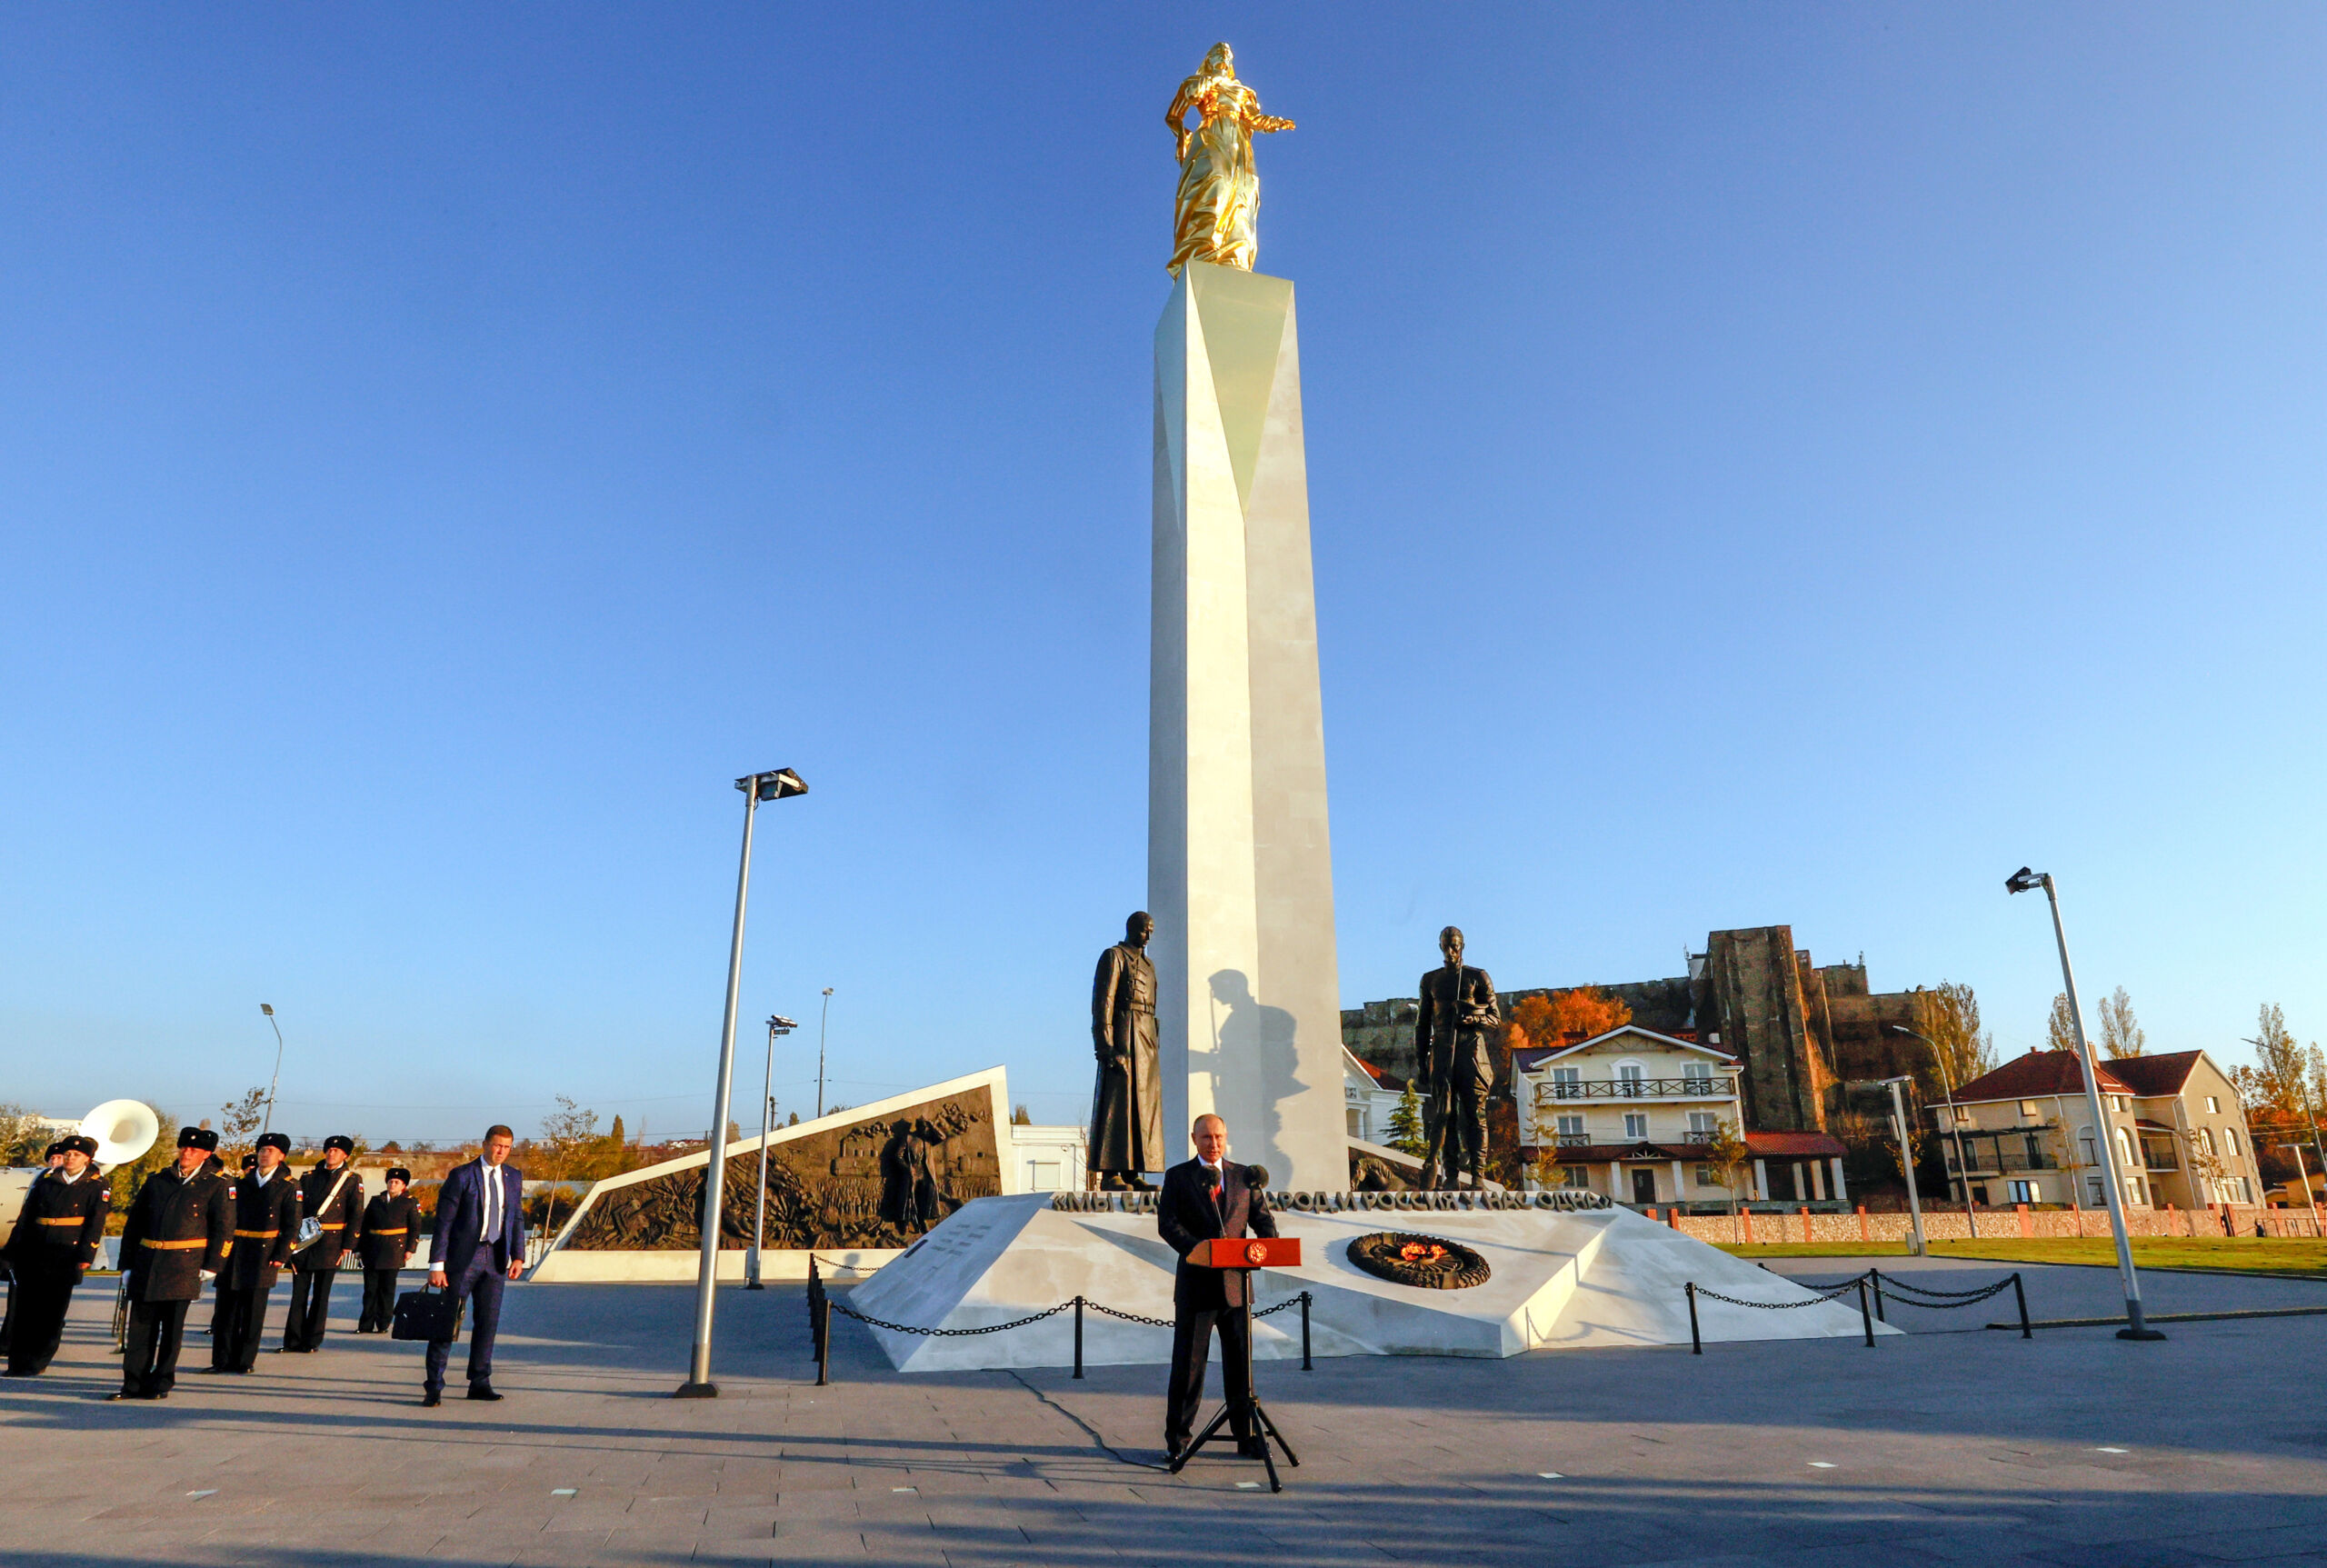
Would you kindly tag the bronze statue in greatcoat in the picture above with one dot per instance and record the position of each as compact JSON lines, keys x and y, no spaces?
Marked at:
{"x":1452,"y":1045}
{"x":1127,"y":1106}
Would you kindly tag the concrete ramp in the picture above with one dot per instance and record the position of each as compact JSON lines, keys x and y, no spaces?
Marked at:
{"x":1559,"y":1280}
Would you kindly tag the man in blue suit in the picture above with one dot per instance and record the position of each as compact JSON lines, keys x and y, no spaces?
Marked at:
{"x":480,"y":1243}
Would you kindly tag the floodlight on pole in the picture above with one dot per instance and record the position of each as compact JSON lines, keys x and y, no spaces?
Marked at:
{"x":1947,"y":1083}
{"x":2111,"y":1192}
{"x":277,"y":1078}
{"x":821,"y":1024}
{"x":756,"y":787}
{"x":777,"y":1024}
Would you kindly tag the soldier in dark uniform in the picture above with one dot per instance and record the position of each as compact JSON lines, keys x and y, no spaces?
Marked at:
{"x":1127,"y":1104}
{"x":391,"y":1231}
{"x":54,"y":1241}
{"x":1451,"y":1043}
{"x":266,"y":1223}
{"x":53,"y":1158}
{"x":175,"y":1238}
{"x":332,"y":1194}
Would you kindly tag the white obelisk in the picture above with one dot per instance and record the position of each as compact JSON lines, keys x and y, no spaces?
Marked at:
{"x":1239,"y":868}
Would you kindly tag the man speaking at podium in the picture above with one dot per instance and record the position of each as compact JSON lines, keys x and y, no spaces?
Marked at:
{"x":1210,"y":1195}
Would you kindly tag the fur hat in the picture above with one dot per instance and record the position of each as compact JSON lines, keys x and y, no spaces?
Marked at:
{"x":202,"y":1138}
{"x":342,"y":1142}
{"x":77,"y":1144}
{"x":273,"y":1141}
{"x":399,"y":1173}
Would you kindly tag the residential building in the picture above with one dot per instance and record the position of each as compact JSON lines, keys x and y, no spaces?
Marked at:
{"x":1049,"y":1159}
{"x":1369,"y":1096}
{"x":1631,"y":1113}
{"x":1799,"y":1031}
{"x":2025,"y":1134}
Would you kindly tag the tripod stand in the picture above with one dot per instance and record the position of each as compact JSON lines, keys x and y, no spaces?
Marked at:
{"x":1247,"y":1253}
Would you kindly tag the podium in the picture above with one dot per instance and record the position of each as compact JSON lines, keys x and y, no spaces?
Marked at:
{"x":1245,"y":1254}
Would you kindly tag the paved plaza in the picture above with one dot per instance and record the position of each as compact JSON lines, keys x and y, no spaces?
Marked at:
{"x":1965,"y":1447}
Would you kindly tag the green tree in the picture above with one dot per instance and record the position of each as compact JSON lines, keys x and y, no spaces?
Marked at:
{"x":2120,"y":1033}
{"x":1406,"y":1125}
{"x":567,"y":1133}
{"x":23,"y":1136}
{"x":1021,"y":1117}
{"x":1729,"y":1156}
{"x":619,"y":1140}
{"x":237,"y":1120}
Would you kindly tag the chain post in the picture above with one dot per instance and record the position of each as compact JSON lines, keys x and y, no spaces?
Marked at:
{"x":1078,"y":1336}
{"x":1876,"y":1275}
{"x":2020,"y":1295}
{"x":824,"y":1342}
{"x":1865,"y":1317}
{"x":1696,"y":1339}
{"x":1306,"y":1364}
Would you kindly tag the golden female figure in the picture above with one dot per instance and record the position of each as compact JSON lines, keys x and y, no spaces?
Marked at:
{"x":1219,"y":201}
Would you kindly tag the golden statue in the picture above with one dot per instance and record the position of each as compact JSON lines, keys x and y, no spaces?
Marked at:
{"x":1219,"y":200}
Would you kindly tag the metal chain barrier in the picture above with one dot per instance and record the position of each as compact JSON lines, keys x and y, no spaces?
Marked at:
{"x":847,"y":1310}
{"x":1870,"y":1300}
{"x":1821,"y":1299}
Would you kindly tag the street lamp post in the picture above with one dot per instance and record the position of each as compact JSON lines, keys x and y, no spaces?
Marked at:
{"x":1916,"y":1244}
{"x":756,"y":787}
{"x":827,"y":1018}
{"x":2111,"y":1192}
{"x":1962,"y":1165}
{"x":2303,"y":1171}
{"x":267,"y":1126}
{"x":777,"y":1024}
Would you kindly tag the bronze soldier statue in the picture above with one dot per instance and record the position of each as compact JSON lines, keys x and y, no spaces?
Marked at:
{"x":1451,"y":1044}
{"x":1127,"y":1106}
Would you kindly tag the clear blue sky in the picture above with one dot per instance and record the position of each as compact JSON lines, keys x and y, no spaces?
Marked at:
{"x":1769,"y":463}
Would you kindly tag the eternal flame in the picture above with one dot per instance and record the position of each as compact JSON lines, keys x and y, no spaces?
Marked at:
{"x":1213,"y":216}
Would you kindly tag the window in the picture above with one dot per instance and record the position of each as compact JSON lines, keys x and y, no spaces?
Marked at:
{"x":2206,"y":1140}
{"x":2230,"y":1139}
{"x":1702,"y":1125}
{"x":1707,"y":1176}
{"x":2213,"y":1105}
{"x":2022,"y":1192}
{"x":1628,"y":1075}
{"x":2028,"y":1108}
{"x":2134,"y":1192}
{"x":2125,"y":1155}
{"x":1567,"y":1084}
{"x":1635,"y":1124}
{"x":1697,"y":1077}
{"x":1577,"y":1177}
{"x":1963,"y":1116}
{"x":1570,"y":1126}
{"x":2094,"y":1196}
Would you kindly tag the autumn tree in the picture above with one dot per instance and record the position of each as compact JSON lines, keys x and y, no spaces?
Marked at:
{"x":566,"y":1133}
{"x":236,"y":1122}
{"x":1727,"y":1153}
{"x":1952,"y":1022}
{"x":2120,"y":1033}
{"x":1554,"y":1016}
{"x":2060,"y":1029}
{"x":23,"y":1136}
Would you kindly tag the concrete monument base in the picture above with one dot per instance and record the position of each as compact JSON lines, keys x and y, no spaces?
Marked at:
{"x":1559,"y":1281}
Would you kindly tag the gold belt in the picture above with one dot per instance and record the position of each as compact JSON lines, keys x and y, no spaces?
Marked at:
{"x":73,"y":1220}
{"x":172,"y":1246}
{"x":331,"y":1227}
{"x":260,"y":1234}
{"x":397,"y":1231}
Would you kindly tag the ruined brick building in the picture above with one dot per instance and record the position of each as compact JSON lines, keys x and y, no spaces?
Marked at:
{"x":1802,"y":1031}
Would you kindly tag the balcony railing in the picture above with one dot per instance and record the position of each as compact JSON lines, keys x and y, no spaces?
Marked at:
{"x":1635,"y":1089}
{"x":1696,"y":1136}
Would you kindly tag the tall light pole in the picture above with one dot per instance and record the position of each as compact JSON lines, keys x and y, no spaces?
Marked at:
{"x":267,"y":1126}
{"x":1963,"y":1166}
{"x":756,"y":787}
{"x":777,"y":1024}
{"x":2302,"y":1170}
{"x":821,"y":1023}
{"x":2027,"y":880}
{"x":1915,"y":1242}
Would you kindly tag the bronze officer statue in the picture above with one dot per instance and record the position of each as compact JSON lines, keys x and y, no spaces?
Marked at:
{"x":1451,"y":1045}
{"x":1127,"y":1106}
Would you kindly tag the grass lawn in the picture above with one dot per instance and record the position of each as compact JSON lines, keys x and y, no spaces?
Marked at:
{"x":2204,"y":1255}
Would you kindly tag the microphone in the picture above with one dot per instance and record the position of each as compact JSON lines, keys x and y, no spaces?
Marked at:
{"x":1257,"y":1176}
{"x":1210,"y":1176}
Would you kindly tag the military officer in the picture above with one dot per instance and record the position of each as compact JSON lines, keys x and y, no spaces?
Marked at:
{"x":332,"y":1194}
{"x":266,"y":1223}
{"x":174,"y":1242}
{"x":391,"y":1231}
{"x":54,"y":1241}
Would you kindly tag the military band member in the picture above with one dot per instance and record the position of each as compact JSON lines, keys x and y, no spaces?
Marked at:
{"x":390,"y":1232}
{"x":266,"y":1223}
{"x":54,"y":1241}
{"x":174,"y":1242}
{"x":52,"y":1159}
{"x":332,"y":1195}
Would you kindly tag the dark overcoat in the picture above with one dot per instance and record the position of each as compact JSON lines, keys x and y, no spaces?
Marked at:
{"x":1452,"y":1026}
{"x":266,"y":1222}
{"x":341,"y":1216}
{"x":1127,"y":1105}
{"x":177,"y":1228}
{"x":391,"y":1231}
{"x":1186,"y":1212}
{"x":61,"y":1224}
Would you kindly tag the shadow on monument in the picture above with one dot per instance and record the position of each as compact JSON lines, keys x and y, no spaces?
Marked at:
{"x":1252,"y":1031}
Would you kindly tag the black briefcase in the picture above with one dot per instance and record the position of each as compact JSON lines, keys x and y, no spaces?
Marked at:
{"x":428,"y":1313}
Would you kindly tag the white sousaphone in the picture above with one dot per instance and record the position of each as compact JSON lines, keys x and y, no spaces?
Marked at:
{"x":123,"y":1129}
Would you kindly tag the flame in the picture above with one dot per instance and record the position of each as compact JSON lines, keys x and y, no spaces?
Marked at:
{"x":1423,"y":1252}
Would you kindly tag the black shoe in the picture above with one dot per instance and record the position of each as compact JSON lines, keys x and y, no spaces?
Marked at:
{"x":208,"y":1371}
{"x":431,"y":1397}
{"x":482,"y":1390}
{"x":19,"y":1371}
{"x":121,"y":1394}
